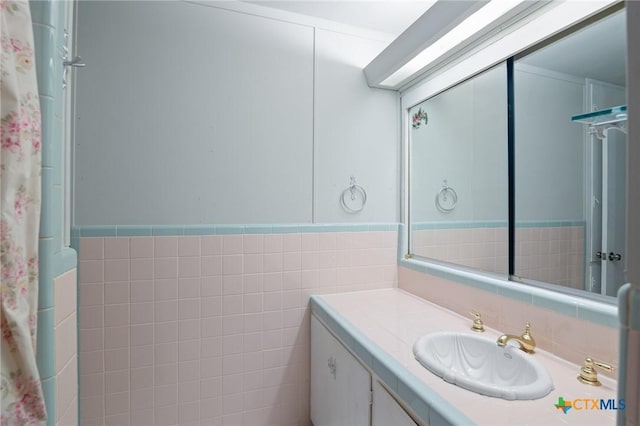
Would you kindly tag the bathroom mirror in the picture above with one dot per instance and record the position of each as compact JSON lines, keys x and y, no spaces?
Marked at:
{"x":570,"y":183}
{"x":568,"y":177}
{"x":458,"y":174}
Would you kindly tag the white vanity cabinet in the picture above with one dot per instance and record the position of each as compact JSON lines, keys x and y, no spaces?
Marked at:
{"x":340,"y":385}
{"x":386,"y":411}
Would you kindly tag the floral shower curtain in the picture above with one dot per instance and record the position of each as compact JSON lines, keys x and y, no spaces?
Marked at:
{"x":20,"y":161}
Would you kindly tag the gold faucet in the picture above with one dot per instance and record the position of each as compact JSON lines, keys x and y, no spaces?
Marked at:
{"x":589,"y":375}
{"x":478,"y":325}
{"x":526,"y":341}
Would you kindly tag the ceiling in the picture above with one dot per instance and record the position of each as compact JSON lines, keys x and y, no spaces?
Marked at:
{"x":597,"y":51}
{"x":391,"y":17}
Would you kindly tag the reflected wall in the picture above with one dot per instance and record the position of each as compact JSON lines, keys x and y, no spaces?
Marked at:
{"x":458,"y":174}
{"x":565,"y":175}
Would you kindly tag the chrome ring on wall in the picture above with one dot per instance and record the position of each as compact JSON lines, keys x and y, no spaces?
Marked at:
{"x":352,"y":192}
{"x":443,"y":197}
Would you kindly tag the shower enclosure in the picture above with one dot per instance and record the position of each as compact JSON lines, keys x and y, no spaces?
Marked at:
{"x":606,"y":188}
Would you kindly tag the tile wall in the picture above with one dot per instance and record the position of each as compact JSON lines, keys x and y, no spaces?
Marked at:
{"x":211,"y":329}
{"x":552,"y":254}
{"x":549,"y":254}
{"x":56,"y":261}
{"x":66,"y":350}
{"x":486,"y":249}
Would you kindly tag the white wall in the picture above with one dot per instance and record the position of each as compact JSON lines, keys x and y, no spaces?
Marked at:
{"x":192,"y":114}
{"x":357,"y":131}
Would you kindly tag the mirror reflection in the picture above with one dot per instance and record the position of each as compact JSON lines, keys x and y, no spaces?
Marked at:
{"x":570,"y":181}
{"x":458,"y":174}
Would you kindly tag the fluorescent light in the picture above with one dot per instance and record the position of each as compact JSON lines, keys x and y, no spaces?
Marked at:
{"x":481,"y":19}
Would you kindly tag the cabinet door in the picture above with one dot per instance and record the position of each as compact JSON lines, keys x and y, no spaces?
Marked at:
{"x":340,"y":385}
{"x":321,"y":377}
{"x":386,"y":411}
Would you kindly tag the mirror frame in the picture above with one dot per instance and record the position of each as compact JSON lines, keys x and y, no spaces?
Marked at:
{"x":540,"y":26}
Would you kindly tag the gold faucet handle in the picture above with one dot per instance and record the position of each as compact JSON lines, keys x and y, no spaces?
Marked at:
{"x":589,"y":375}
{"x":528,"y":342}
{"x":478,"y":325}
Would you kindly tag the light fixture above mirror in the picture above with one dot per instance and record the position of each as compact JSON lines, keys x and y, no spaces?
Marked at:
{"x":449,"y":30}
{"x":488,"y":17}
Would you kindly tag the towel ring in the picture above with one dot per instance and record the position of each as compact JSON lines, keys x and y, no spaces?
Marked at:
{"x":352,"y":191}
{"x":443,"y":196}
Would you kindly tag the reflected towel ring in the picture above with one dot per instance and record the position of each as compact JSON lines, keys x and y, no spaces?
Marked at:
{"x":446,"y":198}
{"x":352,"y":191}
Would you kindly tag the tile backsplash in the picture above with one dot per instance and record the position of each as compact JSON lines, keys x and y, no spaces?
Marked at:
{"x":543,"y":253}
{"x":211,"y":329}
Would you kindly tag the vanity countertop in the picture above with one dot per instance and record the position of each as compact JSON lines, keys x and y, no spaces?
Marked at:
{"x":393,"y":320}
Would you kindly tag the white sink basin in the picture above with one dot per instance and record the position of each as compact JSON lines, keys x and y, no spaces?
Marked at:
{"x":478,"y":364}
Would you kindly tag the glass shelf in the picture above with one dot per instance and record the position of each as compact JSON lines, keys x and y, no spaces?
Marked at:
{"x":604,"y":116}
